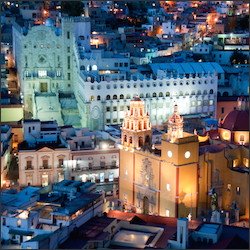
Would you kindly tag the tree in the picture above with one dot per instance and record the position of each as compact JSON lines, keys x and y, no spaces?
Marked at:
{"x":238,"y":58}
{"x":72,"y":8}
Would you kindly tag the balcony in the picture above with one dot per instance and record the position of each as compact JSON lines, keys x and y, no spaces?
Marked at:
{"x":29,"y":167}
{"x":45,"y":167}
{"x":80,"y":169}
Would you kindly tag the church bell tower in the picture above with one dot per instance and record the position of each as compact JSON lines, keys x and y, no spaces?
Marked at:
{"x":136,"y":127}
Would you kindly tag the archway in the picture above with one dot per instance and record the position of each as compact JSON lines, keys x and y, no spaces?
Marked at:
{"x":145,"y":205}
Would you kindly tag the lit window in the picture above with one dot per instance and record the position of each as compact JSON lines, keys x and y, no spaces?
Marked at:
{"x":168,"y":187}
{"x":111,"y":177}
{"x":211,"y":102}
{"x":94,"y":67}
{"x":238,"y":190}
{"x":187,"y":154}
{"x":126,"y":172}
{"x":229,"y":187}
{"x":42,"y":73}
{"x":235,"y":162}
{"x":246,"y":162}
{"x":167,"y":213}
{"x":170,"y":154}
{"x":101,"y":177}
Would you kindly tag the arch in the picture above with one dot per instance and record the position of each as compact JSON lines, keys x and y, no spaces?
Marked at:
{"x":141,"y":96}
{"x":181,"y":93}
{"x":167,"y":93}
{"x":98,"y":98}
{"x":198,"y":92}
{"x":147,"y":95}
{"x":82,"y":67}
{"x":193,"y":92}
{"x":128,"y":96}
{"x":125,"y":138}
{"x":94,"y":67}
{"x":186,"y":93}
{"x":145,"y":205}
{"x":130,"y":140}
{"x":211,"y":91}
{"x":114,"y":97}
{"x":121,"y":96}
{"x":140,"y":141}
{"x":225,"y":93}
{"x":154,"y":94}
{"x":204,"y":92}
{"x":160,"y":94}
{"x":108,"y":97}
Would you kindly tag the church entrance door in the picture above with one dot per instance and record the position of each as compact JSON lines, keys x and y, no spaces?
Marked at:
{"x":43,"y":87}
{"x":145,"y":205}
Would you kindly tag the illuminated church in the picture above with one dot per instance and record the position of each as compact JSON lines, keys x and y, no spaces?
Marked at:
{"x":174,"y":178}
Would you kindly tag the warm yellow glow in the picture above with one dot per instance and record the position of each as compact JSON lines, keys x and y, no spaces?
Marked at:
{"x":246,"y":162}
{"x":24,"y":215}
{"x":235,"y":162}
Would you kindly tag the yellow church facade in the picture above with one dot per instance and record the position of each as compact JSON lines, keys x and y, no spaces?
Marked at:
{"x":173,"y":179}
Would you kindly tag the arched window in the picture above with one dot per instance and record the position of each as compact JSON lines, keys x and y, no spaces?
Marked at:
{"x":154,"y":95}
{"x":108,"y":97}
{"x":121,"y":96}
{"x":82,"y":67}
{"x":167,"y":93}
{"x":81,"y":37}
{"x":130,"y":140}
{"x":94,"y":67}
{"x":181,"y":93}
{"x":147,"y":95}
{"x":186,"y":93}
{"x":160,"y":94}
{"x":125,"y":138}
{"x":211,"y":91}
{"x":128,"y":97}
{"x":204,"y":92}
{"x":141,"y":96}
{"x":193,"y":92}
{"x":198,"y":92}
{"x":98,"y":98}
{"x":114,"y":97}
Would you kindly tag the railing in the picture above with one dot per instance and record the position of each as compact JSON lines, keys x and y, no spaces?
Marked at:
{"x":45,"y":167}
{"x":29,"y":168}
{"x":79,"y":169}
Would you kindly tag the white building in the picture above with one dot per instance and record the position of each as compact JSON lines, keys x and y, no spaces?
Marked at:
{"x":6,"y":147}
{"x":63,"y":79}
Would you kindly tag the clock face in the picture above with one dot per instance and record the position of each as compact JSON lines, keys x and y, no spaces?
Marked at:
{"x":170,"y":154}
{"x":95,"y":113}
{"x":187,"y":154}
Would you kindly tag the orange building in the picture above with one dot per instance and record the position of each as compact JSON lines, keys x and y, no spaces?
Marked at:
{"x":174,"y":179}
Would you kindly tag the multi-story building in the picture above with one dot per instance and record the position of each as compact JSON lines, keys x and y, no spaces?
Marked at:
{"x":176,"y":177}
{"x":63,"y":78}
{"x":6,"y":148}
{"x":41,"y":155}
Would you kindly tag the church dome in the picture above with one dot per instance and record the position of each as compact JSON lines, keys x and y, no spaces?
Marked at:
{"x":237,"y":120}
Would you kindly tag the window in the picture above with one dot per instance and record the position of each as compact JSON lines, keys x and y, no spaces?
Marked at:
{"x":114,"y":120}
{"x":68,"y":35}
{"x":98,"y":98}
{"x":68,"y":49}
{"x":114,"y":97}
{"x":111,"y":177}
{"x":68,"y":60}
{"x":116,"y":65}
{"x":102,"y":177}
{"x":42,"y":73}
{"x":114,"y":108}
{"x":108,"y":109}
{"x":29,"y":164}
{"x":222,"y":110}
{"x":4,"y":221}
{"x":108,"y":97}
{"x":167,"y":213}
{"x":238,"y":190}
{"x":45,"y":163}
{"x":108,"y":121}
{"x":121,"y":96}
{"x":168,"y":187}
{"x":68,"y":76}
{"x":211,"y":102}
{"x":121,"y":108}
{"x":60,"y":163}
{"x":126,"y":64}
{"x":229,"y":187}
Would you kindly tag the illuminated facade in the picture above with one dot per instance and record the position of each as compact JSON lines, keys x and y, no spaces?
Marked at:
{"x":155,"y":182}
{"x":63,"y":78}
{"x":175,"y":178}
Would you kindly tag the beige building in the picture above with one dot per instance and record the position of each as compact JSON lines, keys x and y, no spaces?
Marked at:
{"x":175,"y":178}
{"x":41,"y":166}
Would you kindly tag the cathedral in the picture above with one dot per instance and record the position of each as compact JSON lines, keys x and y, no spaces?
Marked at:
{"x":175,"y":178}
